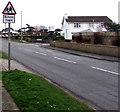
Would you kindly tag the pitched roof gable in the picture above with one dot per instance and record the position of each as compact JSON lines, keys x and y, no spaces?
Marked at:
{"x":88,"y":19}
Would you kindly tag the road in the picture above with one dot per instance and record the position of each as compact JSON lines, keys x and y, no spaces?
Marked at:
{"x":91,"y":80}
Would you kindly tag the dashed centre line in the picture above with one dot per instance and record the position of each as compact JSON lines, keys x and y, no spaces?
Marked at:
{"x":115,"y":73}
{"x":49,"y":50}
{"x":65,"y":60}
{"x":41,"y":53}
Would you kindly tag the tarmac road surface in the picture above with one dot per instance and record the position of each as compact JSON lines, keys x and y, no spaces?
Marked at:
{"x":92,"y":80}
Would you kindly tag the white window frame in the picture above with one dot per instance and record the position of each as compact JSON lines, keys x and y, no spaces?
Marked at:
{"x":77,"y":25}
{"x":91,"y":25}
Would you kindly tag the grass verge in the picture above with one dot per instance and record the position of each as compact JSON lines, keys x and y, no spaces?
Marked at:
{"x":32,"y":93}
{"x":0,"y":75}
{"x":14,"y":40}
{"x":3,"y":55}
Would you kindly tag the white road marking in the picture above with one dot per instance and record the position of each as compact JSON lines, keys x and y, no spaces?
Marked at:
{"x":65,"y":60}
{"x":28,"y":44}
{"x":49,"y":50}
{"x":106,"y":70}
{"x":41,"y":53}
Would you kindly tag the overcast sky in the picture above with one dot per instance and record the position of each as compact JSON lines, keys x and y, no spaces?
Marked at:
{"x":51,"y":12}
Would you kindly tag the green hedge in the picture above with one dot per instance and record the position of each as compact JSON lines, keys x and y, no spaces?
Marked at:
{"x":59,"y":38}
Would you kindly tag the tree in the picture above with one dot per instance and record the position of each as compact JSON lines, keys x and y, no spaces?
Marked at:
{"x":27,"y":25}
{"x":112,"y":26}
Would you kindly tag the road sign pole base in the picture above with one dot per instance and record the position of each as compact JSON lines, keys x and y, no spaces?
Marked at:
{"x":9,"y":56}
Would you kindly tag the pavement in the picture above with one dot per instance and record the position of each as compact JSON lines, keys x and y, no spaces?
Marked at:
{"x":6,"y":102}
{"x":85,"y":54}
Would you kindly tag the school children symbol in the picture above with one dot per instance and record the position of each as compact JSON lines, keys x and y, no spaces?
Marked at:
{"x":9,"y":9}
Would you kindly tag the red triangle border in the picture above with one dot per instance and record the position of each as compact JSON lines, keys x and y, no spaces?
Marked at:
{"x":6,"y":8}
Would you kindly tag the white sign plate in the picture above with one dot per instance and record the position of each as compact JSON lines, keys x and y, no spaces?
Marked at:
{"x":8,"y":18}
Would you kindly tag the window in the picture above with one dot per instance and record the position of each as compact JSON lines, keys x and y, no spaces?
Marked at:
{"x":91,"y":25}
{"x":77,"y":25}
{"x":102,"y":25}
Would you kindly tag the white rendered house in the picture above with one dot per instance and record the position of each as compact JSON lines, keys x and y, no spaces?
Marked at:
{"x":75,"y":24}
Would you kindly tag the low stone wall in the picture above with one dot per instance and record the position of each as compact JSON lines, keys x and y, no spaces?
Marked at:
{"x":97,"y":49}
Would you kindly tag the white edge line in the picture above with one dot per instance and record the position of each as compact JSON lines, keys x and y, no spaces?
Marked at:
{"x":106,"y":70}
{"x":41,"y":53}
{"x":65,"y":60}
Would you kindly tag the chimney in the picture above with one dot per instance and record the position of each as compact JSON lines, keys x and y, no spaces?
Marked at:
{"x":65,"y":16}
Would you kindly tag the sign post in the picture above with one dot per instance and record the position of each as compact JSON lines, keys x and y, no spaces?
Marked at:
{"x":9,"y":17}
{"x":9,"y":36}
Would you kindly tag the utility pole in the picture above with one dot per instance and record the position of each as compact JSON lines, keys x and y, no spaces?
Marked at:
{"x":21,"y":27}
{"x":119,"y":12}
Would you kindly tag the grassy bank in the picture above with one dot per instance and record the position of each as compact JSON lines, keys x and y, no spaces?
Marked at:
{"x":3,"y":55}
{"x":34,"y":94}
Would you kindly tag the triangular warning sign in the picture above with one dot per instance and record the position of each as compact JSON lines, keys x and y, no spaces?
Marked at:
{"x":9,"y":9}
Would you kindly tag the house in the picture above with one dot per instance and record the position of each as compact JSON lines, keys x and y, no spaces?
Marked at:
{"x":76,"y":24}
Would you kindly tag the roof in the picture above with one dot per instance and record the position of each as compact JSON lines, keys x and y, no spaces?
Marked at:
{"x":88,"y":19}
{"x":88,"y":30}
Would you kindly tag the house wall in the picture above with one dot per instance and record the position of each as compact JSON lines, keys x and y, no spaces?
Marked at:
{"x":65,"y":30}
{"x":68,"y":29}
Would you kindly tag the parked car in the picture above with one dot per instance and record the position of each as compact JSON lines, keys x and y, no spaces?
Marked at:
{"x":5,"y":36}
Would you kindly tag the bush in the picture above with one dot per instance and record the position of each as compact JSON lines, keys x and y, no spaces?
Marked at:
{"x":77,"y":38}
{"x":29,"y":38}
{"x":15,"y":36}
{"x":67,"y":40}
{"x":86,"y":40}
{"x":46,"y":38}
{"x":97,"y":38}
{"x":59,"y":38}
{"x":116,"y":42}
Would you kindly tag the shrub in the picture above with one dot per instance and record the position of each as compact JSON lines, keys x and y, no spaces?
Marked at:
{"x":15,"y":36}
{"x":77,"y":38}
{"x":116,"y":42}
{"x":97,"y":38}
{"x":86,"y":40}
{"x":67,"y":40}
{"x":59,"y":38}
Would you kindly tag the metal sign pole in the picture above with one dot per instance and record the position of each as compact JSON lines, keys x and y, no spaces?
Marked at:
{"x":9,"y":47}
